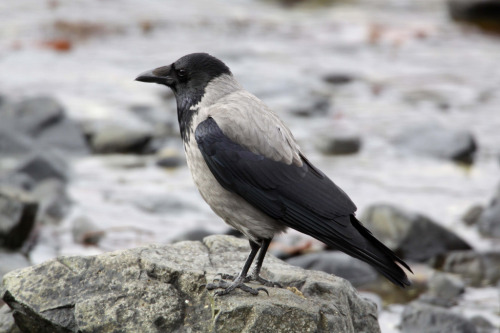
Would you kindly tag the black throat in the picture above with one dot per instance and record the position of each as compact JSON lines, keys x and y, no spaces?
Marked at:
{"x":186,"y":112}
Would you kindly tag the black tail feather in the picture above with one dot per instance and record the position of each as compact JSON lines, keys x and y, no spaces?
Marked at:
{"x":380,"y":256}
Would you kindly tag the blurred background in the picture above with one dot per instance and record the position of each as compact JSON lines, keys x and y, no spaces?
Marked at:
{"x":398,"y":101}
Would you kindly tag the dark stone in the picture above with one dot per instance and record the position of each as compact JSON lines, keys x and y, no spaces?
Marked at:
{"x":119,"y":138}
{"x":489,"y":221}
{"x":170,"y":158}
{"x":333,"y":144}
{"x":17,"y":218}
{"x":41,"y":167}
{"x":15,"y":181}
{"x":420,"y":317}
{"x":66,"y":136}
{"x":338,"y":263}
{"x":34,"y":114}
{"x":476,"y":268}
{"x":319,"y":107}
{"x":412,"y":236}
{"x":472,"y":215}
{"x":444,"y":290}
{"x":170,"y":162}
{"x":53,"y":199}
{"x":7,"y":324}
{"x":192,"y":235}
{"x":436,"y":141}
{"x":483,"y":325}
{"x":484,"y":14}
{"x":86,"y":232}
{"x":338,"y":78}
{"x":13,"y":142}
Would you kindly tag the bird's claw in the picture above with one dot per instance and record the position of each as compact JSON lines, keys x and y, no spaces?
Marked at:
{"x":227,"y":288}
{"x":265,"y":282}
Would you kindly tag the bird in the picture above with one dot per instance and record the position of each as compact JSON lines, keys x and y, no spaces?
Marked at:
{"x":250,"y":170}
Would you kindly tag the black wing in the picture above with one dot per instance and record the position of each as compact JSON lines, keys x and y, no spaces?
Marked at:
{"x":303,"y":198}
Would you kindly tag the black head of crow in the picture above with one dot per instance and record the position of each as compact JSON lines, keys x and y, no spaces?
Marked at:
{"x":250,"y":170}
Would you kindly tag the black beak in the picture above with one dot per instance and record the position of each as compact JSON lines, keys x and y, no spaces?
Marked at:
{"x":159,"y":75}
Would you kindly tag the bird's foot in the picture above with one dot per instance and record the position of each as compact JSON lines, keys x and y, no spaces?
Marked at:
{"x":263,"y":281}
{"x":229,"y":287}
{"x":252,"y":278}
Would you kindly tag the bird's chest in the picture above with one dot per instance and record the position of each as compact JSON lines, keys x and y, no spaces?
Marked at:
{"x":212,"y":192}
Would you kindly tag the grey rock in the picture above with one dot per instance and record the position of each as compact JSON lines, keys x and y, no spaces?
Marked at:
{"x":34,"y":114}
{"x":318,"y":107}
{"x":17,"y":218}
{"x":12,"y":181}
{"x":125,"y":161}
{"x":164,"y":123}
{"x":472,"y":215}
{"x":483,"y":325}
{"x":476,"y":268}
{"x":66,"y":136}
{"x":161,"y":204}
{"x":339,"y":78}
{"x":420,"y":317}
{"x":436,"y":141}
{"x":85,"y":231}
{"x":482,"y":13}
{"x":7,"y":324}
{"x":10,"y":261}
{"x":13,"y":142}
{"x":118,"y":137}
{"x":43,"y":166}
{"x":489,"y":221}
{"x":40,"y":123}
{"x":429,"y":95}
{"x":338,"y":263}
{"x":411,"y":235}
{"x":444,"y":289}
{"x":53,"y":199}
{"x":335,"y":144}
{"x":192,"y":235}
{"x":170,"y":158}
{"x":162,"y":288}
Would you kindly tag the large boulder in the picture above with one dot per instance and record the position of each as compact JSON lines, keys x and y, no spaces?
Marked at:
{"x":411,"y":235}
{"x":162,"y":289}
{"x":420,"y":317}
{"x":436,"y":141}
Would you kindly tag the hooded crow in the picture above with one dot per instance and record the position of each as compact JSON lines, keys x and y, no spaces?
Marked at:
{"x":250,"y":170}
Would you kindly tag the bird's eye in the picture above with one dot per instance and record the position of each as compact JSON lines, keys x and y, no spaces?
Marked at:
{"x":181,"y":72}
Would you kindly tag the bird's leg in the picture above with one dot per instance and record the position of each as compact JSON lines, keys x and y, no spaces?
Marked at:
{"x":256,"y":271}
{"x":240,"y":279}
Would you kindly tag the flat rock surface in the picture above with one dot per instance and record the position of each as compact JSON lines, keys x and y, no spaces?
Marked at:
{"x":162,"y":289}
